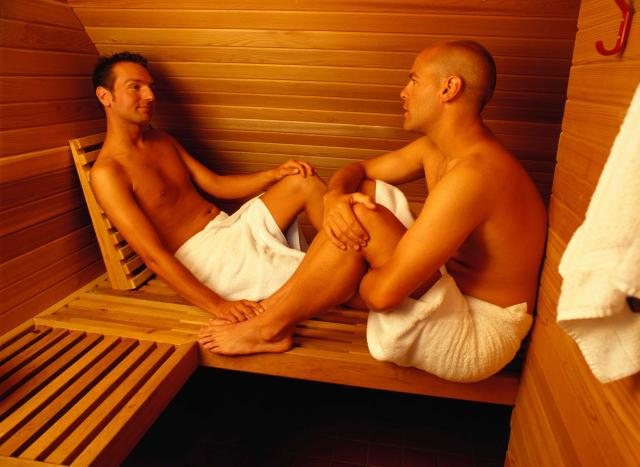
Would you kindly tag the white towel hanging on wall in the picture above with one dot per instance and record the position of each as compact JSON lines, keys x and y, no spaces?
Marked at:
{"x":601,"y":265}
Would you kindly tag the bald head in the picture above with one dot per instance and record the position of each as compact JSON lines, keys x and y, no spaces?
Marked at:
{"x":468,"y":60}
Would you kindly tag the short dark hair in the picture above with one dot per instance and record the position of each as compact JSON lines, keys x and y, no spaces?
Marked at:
{"x":103,"y":71}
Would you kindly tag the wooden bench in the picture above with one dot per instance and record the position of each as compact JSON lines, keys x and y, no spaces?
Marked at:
{"x":82,"y":381}
{"x":330,"y":348}
{"x":72,"y":397}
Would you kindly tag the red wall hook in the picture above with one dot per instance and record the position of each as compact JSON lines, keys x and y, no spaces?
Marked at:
{"x":623,"y":32}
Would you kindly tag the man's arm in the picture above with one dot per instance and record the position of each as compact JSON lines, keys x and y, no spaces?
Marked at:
{"x":402,"y":165}
{"x":455,"y":207}
{"x":242,"y":185}
{"x":114,"y":194}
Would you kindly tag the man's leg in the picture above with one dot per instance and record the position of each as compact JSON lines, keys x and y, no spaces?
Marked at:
{"x":294,"y":193}
{"x":327,"y":277}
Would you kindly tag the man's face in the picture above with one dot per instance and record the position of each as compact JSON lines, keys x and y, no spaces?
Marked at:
{"x":132,"y":97}
{"x":419,"y":96}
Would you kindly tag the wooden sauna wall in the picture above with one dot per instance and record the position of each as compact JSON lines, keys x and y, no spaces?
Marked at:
{"x":248,"y":84}
{"x":47,"y":246}
{"x":563,"y":415}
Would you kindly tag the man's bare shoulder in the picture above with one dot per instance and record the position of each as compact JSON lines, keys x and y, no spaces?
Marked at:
{"x":107,"y":172}
{"x":492,"y":163}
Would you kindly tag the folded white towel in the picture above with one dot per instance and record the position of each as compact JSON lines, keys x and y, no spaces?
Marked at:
{"x":245,"y":255}
{"x":448,"y":334}
{"x":601,"y":265}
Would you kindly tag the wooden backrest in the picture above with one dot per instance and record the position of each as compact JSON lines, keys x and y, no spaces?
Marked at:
{"x":124,"y":267}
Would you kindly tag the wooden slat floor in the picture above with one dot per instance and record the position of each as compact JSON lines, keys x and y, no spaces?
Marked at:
{"x":331,"y":348}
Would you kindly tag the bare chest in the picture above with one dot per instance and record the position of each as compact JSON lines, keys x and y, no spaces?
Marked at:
{"x":158,"y":182}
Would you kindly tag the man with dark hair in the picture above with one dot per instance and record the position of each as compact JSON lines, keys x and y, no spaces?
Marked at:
{"x":452,"y":291}
{"x":103,"y":72}
{"x":146,"y":183}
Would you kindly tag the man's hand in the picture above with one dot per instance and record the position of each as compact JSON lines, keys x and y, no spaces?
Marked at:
{"x":240,"y":310}
{"x":341,"y":224}
{"x":293,"y":167}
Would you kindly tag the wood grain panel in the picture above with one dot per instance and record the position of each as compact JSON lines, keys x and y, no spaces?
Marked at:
{"x":34,"y":236}
{"x":24,"y":191}
{"x":45,"y":99}
{"x":46,"y":297}
{"x":44,"y":278}
{"x":507,"y":131}
{"x":296,"y":39}
{"x":387,"y":22}
{"x":548,"y":8}
{"x":617,"y":90}
{"x":22,"y":115}
{"x":48,"y":13}
{"x":49,"y":63}
{"x":29,"y":35}
{"x":38,"y":211}
{"x":44,"y":88}
{"x":35,"y":163}
{"x":193,"y":105}
{"x":13,"y":142}
{"x":378,"y":76}
{"x":597,"y":123}
{"x":22,"y":266}
{"x":217,"y":134}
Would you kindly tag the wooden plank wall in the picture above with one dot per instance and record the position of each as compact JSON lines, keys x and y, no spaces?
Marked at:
{"x":563,"y":415}
{"x":247,"y":84}
{"x":47,"y":246}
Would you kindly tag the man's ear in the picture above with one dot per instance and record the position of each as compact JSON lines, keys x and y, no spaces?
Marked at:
{"x":104,"y":96}
{"x":452,"y":88}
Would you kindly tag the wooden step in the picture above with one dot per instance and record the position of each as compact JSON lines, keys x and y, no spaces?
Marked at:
{"x":70,"y":397}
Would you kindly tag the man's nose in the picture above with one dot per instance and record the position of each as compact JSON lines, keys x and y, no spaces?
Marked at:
{"x":403,"y":94}
{"x":149,"y":94}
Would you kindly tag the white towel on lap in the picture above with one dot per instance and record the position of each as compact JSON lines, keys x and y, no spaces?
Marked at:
{"x":448,"y":334}
{"x":243,"y":256}
{"x":601,"y":265}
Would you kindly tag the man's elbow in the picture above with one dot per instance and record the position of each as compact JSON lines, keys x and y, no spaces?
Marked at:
{"x":379,"y":300}
{"x":152,"y":260}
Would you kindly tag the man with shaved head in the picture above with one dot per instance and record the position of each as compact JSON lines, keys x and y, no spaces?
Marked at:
{"x":451,"y":292}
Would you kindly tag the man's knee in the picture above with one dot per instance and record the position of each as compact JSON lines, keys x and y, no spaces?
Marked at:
{"x":372,"y":217}
{"x":299,"y":184}
{"x":385,"y":231}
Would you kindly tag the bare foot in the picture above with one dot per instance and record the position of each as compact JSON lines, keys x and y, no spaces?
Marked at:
{"x":240,"y":338}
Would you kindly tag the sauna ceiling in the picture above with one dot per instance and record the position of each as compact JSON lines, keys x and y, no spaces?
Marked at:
{"x":248,"y":84}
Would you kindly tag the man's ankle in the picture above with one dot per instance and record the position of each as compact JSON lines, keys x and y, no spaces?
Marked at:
{"x":272,"y":332}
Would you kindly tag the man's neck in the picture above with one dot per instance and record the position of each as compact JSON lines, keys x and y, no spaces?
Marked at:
{"x":455,"y":137}
{"x":124,"y":134}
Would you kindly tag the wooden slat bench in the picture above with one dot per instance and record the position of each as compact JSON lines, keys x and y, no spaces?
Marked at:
{"x":331,"y":348}
{"x":71,"y":397}
{"x":124,"y":267}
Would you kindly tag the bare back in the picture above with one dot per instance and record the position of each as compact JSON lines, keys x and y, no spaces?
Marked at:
{"x":499,"y":260}
{"x":160,"y":184}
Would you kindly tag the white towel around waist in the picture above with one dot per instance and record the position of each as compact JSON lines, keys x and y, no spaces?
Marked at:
{"x":243,"y":256}
{"x":451,"y":335}
{"x":446,"y":333}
